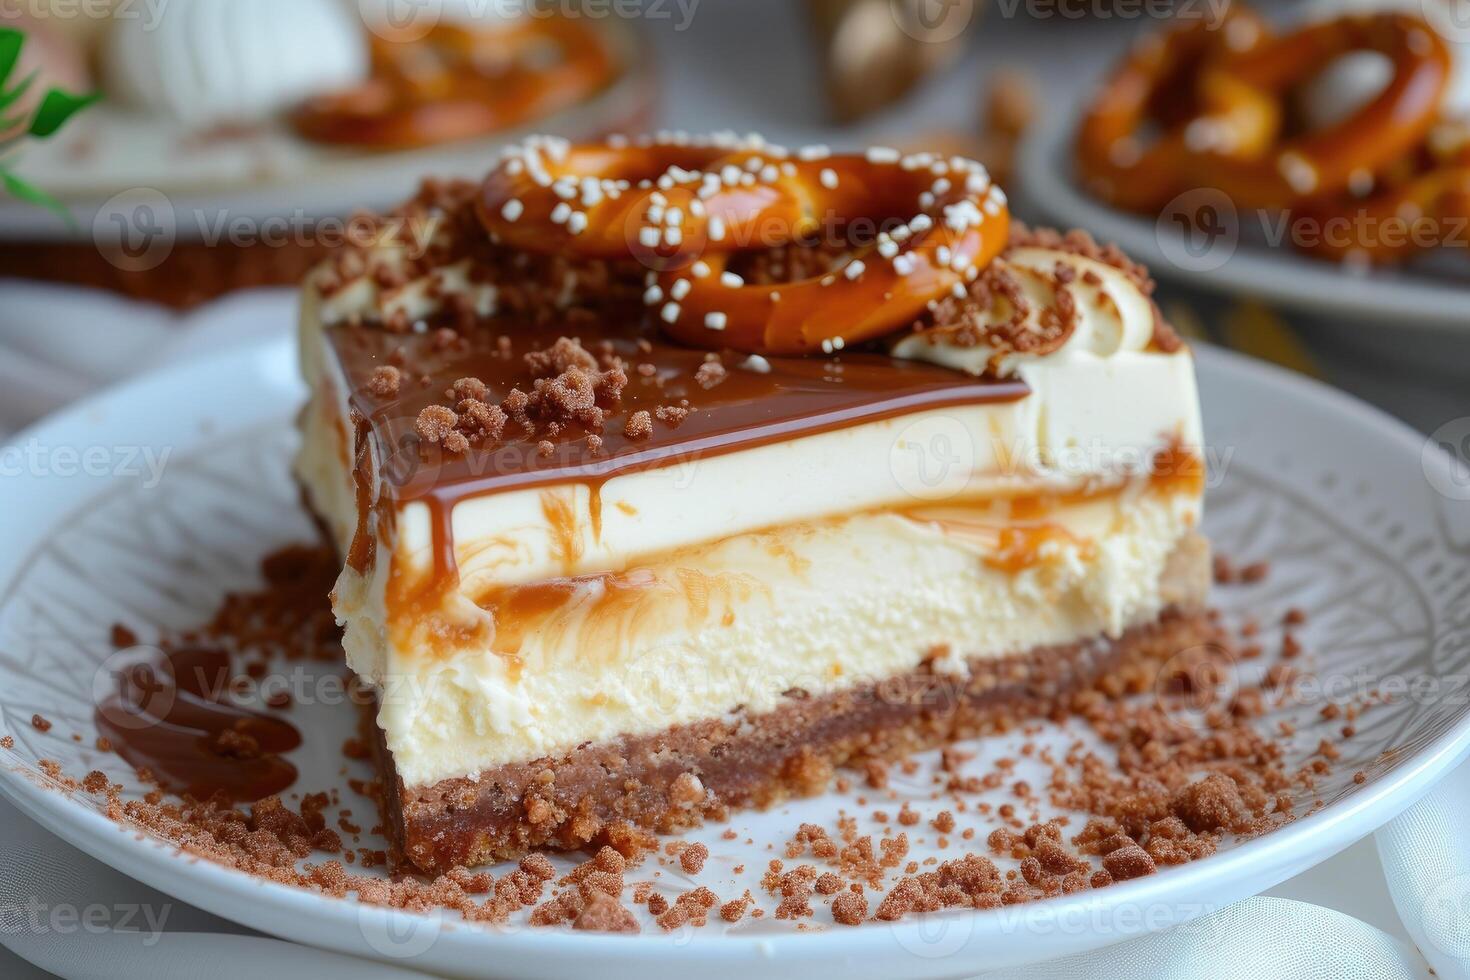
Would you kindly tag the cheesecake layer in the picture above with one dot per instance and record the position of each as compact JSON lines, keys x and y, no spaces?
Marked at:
{"x":662,"y":536}
{"x":685,"y":774}
{"x":707,"y":583}
{"x":818,"y":607}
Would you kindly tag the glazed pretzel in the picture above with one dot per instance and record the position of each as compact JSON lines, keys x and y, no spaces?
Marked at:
{"x":459,"y":82}
{"x":1165,"y":83}
{"x":588,"y":200}
{"x":685,"y":212}
{"x":1422,"y":203}
{"x":1325,"y":161}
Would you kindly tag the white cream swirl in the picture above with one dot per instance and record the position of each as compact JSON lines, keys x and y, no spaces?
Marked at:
{"x":1110,"y":314}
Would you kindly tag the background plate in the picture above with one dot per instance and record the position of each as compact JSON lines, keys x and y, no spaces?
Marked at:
{"x":1233,"y":262}
{"x":196,"y":189}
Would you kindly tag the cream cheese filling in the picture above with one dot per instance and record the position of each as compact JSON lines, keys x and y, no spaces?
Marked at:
{"x":819,"y":607}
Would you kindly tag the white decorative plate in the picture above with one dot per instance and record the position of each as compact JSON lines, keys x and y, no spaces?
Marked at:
{"x":1235,"y":257}
{"x":120,"y":174}
{"x":1359,"y":518}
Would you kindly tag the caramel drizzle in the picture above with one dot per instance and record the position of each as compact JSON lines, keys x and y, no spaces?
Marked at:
{"x":1020,"y":528}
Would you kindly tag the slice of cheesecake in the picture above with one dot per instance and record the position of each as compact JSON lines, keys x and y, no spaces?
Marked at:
{"x":595,"y":577}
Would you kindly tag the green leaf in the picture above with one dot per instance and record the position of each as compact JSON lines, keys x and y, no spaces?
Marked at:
{"x":11,"y":41}
{"x":22,"y":191}
{"x":7,"y":99}
{"x":56,"y":108}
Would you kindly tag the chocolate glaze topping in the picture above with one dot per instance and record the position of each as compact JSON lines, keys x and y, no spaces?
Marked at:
{"x":693,"y":410}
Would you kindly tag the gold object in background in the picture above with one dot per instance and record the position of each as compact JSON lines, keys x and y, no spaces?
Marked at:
{"x":1009,"y":107}
{"x":1257,"y":330}
{"x":874,"y":52}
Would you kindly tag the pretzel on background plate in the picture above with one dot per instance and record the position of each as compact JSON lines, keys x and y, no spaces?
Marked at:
{"x":460,"y":82}
{"x":1422,"y":203}
{"x":1159,"y":85}
{"x":1327,"y":161}
{"x":686,"y":209}
{"x":1220,"y":108}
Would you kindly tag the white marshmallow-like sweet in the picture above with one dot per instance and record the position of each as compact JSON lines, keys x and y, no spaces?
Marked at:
{"x":1114,"y":318}
{"x":415,"y":16}
{"x":206,"y":62}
